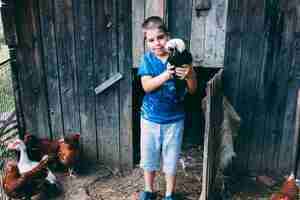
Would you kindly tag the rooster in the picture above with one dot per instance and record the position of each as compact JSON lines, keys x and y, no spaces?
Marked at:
{"x":69,"y":151}
{"x":26,"y":165}
{"x":179,"y":56}
{"x":30,"y":183}
{"x":65,"y":150}
{"x":38,"y":147}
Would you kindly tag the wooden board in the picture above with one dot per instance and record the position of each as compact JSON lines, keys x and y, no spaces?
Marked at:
{"x":208,"y":33}
{"x":125,"y":99}
{"x":138,"y":15}
{"x":291,"y":60}
{"x":155,"y":8}
{"x":50,"y":58}
{"x":179,"y":19}
{"x":251,"y":63}
{"x":86,"y":77}
{"x":106,"y":65}
{"x":31,"y":69}
{"x":64,"y":30}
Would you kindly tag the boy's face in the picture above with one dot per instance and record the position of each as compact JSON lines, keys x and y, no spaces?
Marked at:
{"x":156,"y":41}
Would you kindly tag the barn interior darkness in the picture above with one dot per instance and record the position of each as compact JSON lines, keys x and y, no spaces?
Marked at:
{"x":194,"y":122}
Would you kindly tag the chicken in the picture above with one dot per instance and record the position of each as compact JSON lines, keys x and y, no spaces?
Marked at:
{"x":69,"y":151}
{"x":38,"y":147}
{"x":65,"y":150}
{"x":18,"y":185}
{"x":179,"y":56}
{"x":26,"y":165}
{"x":288,"y":191}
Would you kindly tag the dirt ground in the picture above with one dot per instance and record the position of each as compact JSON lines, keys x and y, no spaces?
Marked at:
{"x":98,"y":182}
{"x":102,"y":183}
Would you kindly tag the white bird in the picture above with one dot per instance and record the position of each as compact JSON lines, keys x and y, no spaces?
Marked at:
{"x":25,"y":164}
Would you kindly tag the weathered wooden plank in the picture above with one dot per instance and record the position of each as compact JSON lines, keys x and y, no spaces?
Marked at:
{"x":106,"y":62}
{"x":276,"y":85}
{"x":179,"y":19}
{"x":101,"y":60}
{"x":115,"y":96}
{"x":31,"y":70}
{"x":64,"y":30}
{"x":47,"y":19}
{"x":208,"y":46}
{"x":233,"y":55}
{"x":197,"y":42}
{"x":138,"y":15}
{"x":125,"y":99}
{"x":251,"y":62}
{"x":155,"y":8}
{"x":86,"y":77}
{"x":233,"y":49}
{"x":291,"y":61}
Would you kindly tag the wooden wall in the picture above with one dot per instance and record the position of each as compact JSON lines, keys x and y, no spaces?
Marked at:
{"x":261,"y":79}
{"x":64,"y":49}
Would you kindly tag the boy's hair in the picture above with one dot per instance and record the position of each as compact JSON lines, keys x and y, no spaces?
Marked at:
{"x":154,"y":22}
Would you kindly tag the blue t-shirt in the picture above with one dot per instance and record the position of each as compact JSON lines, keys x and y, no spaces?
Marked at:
{"x":164,"y":105}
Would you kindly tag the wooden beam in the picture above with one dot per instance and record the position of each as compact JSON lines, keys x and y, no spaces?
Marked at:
{"x":115,"y":78}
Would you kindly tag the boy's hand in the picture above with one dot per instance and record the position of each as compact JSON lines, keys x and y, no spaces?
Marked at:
{"x":185,"y":72}
{"x":170,"y":71}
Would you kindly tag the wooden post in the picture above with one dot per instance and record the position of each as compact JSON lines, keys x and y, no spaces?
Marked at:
{"x":212,"y":137}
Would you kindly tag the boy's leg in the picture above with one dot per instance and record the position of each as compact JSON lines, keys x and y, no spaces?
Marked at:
{"x":149,"y":177}
{"x":170,"y":184}
{"x":171,"y":148}
{"x":150,"y":151}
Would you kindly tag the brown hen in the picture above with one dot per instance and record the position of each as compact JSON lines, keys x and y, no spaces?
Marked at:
{"x":69,"y":151}
{"x":25,"y":185}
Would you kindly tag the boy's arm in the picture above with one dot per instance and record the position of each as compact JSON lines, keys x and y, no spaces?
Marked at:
{"x":189,"y":74}
{"x":150,"y":83}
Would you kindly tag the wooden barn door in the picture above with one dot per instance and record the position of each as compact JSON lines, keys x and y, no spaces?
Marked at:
{"x":66,"y":49}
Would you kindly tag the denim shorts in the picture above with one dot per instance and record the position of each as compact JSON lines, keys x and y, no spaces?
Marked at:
{"x":160,"y":142}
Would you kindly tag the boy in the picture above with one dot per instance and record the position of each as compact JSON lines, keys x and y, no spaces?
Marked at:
{"x":162,"y":111}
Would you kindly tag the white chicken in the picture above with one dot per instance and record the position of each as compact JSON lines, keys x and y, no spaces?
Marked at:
{"x":25,"y":164}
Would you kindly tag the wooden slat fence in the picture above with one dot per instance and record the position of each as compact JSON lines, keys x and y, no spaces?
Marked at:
{"x":212,"y":138}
